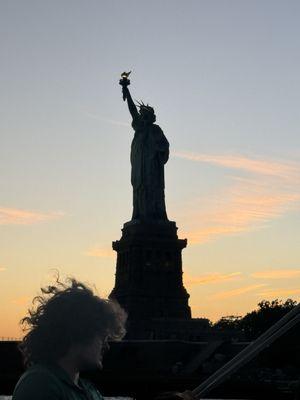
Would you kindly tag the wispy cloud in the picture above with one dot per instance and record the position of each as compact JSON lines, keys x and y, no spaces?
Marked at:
{"x":2,"y":269}
{"x":242,"y":207}
{"x":255,"y":165}
{"x":106,"y":120}
{"x":100,"y":252}
{"x":247,"y":203}
{"x":214,"y":277}
{"x":22,"y":300}
{"x":236,"y":292}
{"x":276,"y":274}
{"x":16,"y":216}
{"x":203,"y":235}
{"x":276,"y":293}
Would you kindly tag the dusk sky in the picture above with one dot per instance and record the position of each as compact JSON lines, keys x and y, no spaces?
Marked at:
{"x":223,"y":78}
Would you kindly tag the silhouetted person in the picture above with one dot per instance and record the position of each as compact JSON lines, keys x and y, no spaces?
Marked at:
{"x":68,"y":332}
{"x":149,"y":153}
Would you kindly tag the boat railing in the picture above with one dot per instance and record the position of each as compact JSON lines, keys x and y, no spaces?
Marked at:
{"x":269,"y":336}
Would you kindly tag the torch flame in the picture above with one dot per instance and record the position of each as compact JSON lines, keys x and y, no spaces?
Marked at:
{"x":125,"y":74}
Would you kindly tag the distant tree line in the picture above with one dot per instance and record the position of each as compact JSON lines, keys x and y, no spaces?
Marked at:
{"x":258,"y":321}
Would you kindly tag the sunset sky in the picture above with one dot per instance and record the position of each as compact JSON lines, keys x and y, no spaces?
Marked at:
{"x":223,"y":77}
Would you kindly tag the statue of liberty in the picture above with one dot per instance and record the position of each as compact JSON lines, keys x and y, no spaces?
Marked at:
{"x":149,"y":153}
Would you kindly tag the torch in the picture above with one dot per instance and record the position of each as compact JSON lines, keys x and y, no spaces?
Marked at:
{"x":124,"y":82}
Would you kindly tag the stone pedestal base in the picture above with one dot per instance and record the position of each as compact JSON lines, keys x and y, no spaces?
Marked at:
{"x":148,"y":280}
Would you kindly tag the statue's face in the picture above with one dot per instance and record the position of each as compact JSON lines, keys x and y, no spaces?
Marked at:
{"x":147,"y":114}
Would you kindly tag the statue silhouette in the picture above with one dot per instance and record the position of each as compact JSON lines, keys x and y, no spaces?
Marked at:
{"x":149,"y":153}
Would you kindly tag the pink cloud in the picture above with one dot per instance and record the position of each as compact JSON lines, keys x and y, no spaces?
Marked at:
{"x":16,"y":216}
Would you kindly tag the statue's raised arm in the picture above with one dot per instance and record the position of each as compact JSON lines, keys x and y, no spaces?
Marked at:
{"x":125,"y":82}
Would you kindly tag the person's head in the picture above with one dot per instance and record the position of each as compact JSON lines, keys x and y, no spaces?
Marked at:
{"x":70,"y":319}
{"x":147,"y":113}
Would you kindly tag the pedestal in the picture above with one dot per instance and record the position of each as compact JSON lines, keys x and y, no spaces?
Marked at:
{"x":148,"y":282}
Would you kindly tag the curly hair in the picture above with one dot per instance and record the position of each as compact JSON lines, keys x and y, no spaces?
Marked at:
{"x":67,"y":314}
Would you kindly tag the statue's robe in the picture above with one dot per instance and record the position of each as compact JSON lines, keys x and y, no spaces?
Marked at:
{"x":149,"y":153}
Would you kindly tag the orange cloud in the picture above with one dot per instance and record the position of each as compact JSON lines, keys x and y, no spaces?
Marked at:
{"x":22,"y":300}
{"x":15,"y":216}
{"x":236,"y":292}
{"x":2,"y":269}
{"x":244,"y":206}
{"x":210,"y":233}
{"x":275,"y":293}
{"x":247,"y":204}
{"x":257,"y":166}
{"x":215,"y":277}
{"x":276,"y":274}
{"x":100,"y":252}
{"x":241,"y":211}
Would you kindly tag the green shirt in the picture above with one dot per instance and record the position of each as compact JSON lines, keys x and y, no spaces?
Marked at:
{"x":51,"y":382}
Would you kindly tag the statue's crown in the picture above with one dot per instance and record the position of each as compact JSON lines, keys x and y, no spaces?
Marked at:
{"x":145,"y":107}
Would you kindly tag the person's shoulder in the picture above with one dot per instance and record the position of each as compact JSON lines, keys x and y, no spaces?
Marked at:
{"x":37,"y":383}
{"x":92,"y":389}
